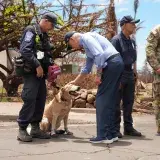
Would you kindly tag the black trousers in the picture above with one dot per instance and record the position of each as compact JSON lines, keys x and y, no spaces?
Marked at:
{"x":34,"y":98}
{"x":126,"y":94}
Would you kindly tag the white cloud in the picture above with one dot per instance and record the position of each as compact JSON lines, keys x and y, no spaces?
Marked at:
{"x":120,"y":2}
{"x":141,"y":55}
{"x":122,"y":10}
{"x":117,"y":2}
{"x":103,"y":2}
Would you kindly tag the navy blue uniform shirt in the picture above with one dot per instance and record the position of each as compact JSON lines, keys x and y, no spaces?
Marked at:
{"x":28,"y":46}
{"x":127,"y":49}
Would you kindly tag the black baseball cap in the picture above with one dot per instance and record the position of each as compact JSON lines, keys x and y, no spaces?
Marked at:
{"x":128,"y":19}
{"x":52,"y":18}
{"x":67,"y":36}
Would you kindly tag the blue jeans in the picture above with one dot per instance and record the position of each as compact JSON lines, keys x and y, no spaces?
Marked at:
{"x":106,"y":98}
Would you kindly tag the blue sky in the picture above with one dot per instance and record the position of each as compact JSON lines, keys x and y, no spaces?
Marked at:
{"x":148,"y":12}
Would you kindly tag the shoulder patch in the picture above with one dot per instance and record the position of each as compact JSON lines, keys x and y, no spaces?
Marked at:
{"x":28,"y":36}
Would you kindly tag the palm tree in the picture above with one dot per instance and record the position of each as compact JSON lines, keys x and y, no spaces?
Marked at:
{"x":136,"y":5}
{"x":111,"y":21}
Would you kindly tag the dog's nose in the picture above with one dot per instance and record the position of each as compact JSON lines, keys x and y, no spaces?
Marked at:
{"x":78,"y":88}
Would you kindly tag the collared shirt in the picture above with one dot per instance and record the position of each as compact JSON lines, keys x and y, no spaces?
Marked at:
{"x":29,"y":47}
{"x":98,"y":49}
{"x":126,"y":47}
{"x":44,"y":43}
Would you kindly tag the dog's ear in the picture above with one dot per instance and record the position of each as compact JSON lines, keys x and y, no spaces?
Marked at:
{"x":59,"y":95}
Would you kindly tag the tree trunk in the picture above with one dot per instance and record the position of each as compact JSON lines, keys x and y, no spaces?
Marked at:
{"x":111,"y":21}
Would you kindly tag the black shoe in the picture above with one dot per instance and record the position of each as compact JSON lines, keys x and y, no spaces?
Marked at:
{"x":119,"y":135}
{"x":24,"y":136}
{"x":36,"y":132}
{"x":132,"y":132}
{"x":158,"y":134}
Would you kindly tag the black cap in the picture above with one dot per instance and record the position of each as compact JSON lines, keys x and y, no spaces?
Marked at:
{"x":67,"y":36}
{"x":52,"y":18}
{"x":128,"y":19}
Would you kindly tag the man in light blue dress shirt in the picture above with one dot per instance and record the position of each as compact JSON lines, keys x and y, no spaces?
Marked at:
{"x":100,"y":51}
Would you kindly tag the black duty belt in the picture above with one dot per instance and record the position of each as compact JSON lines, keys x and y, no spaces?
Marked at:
{"x":128,"y":67}
{"x":113,"y":56}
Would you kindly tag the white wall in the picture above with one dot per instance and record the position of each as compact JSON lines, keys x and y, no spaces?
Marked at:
{"x":3,"y":60}
{"x":12,"y":53}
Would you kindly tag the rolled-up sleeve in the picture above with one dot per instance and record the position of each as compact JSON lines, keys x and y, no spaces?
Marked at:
{"x":88,"y":66}
{"x":97,"y":51}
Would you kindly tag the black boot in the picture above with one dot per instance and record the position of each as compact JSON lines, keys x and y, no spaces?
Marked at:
{"x":119,"y":134}
{"x":132,"y":132}
{"x":36,"y":132}
{"x":23,"y":135}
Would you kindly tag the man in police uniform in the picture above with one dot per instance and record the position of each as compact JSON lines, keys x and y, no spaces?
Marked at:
{"x":126,"y":46}
{"x":35,"y":50}
{"x":153,"y":57}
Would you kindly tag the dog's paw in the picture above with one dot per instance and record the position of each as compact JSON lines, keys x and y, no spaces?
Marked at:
{"x":53,"y":134}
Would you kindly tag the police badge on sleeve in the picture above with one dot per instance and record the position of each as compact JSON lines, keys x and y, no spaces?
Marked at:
{"x":28,"y":36}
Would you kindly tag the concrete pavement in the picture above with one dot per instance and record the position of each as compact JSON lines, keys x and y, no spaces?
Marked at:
{"x":78,"y":146}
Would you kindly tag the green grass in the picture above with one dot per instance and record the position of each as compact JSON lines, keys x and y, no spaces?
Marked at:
{"x":5,"y":99}
{"x":2,"y":90}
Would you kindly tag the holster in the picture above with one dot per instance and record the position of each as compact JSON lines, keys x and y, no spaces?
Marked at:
{"x":21,"y":67}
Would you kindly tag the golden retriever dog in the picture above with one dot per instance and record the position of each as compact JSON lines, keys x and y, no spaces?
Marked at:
{"x":58,"y":109}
